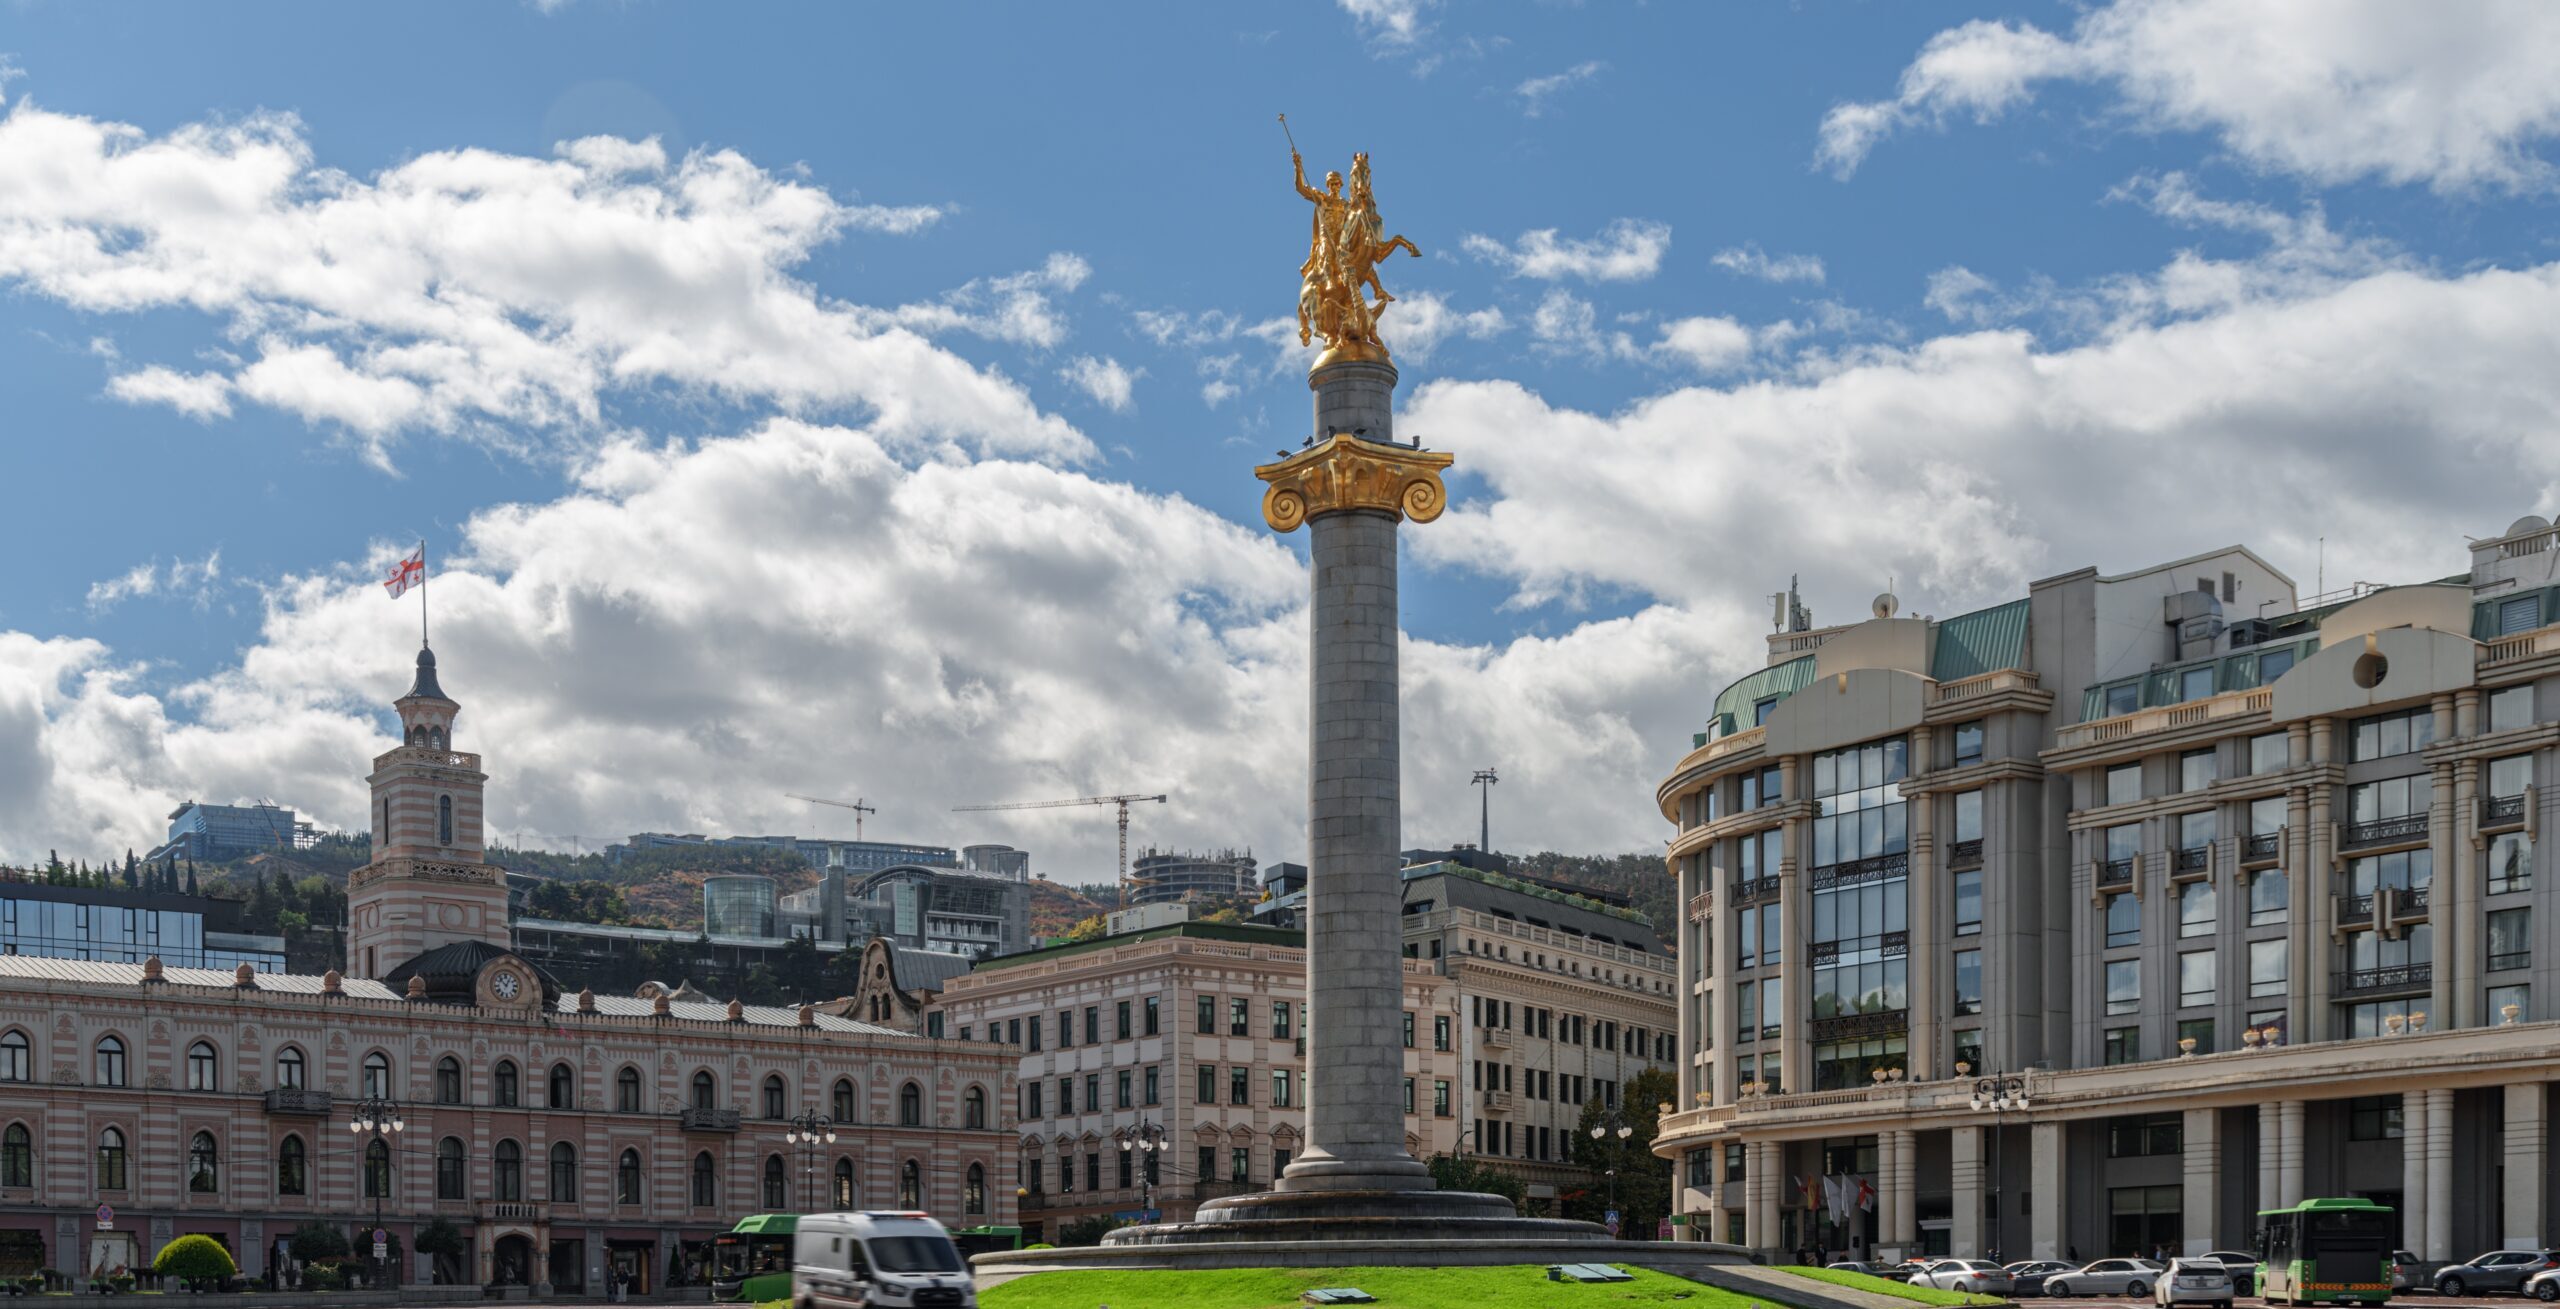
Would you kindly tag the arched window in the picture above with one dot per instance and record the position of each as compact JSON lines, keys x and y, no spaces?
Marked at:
{"x":502,"y":1084}
{"x":973,"y":1196}
{"x":564,"y":1173}
{"x":626,"y":1090}
{"x":774,"y":1191}
{"x":773,"y":1097}
{"x":17,"y":1156}
{"x":110,"y":1061}
{"x":449,"y":1168}
{"x":626,"y":1178}
{"x":444,"y":820}
{"x":564,"y":1087}
{"x":377,"y":1074}
{"x":706,"y":1181}
{"x":290,"y":1068}
{"x":204,"y":1164}
{"x":448,"y":1080}
{"x":973,"y":1108}
{"x":111,"y":1160}
{"x":704,"y":1089}
{"x":14,"y":1057}
{"x":204,"y":1071}
{"x":293,"y":1169}
{"x":844,"y":1184}
{"x":910,"y":1105}
{"x":509,"y":1161}
{"x":377,"y":1170}
{"x":840,"y":1102}
{"x":910,"y":1185}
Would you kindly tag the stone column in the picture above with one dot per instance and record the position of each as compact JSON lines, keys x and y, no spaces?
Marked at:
{"x":2439,"y":1176}
{"x":2528,"y":1164}
{"x":2048,"y":1170}
{"x":2288,"y":1152}
{"x":1759,"y":1194}
{"x":1902,"y":1229}
{"x":2413,"y":1169}
{"x":2201,"y":1215}
{"x":1926,"y":946}
{"x":1964,"y":1175}
{"x":2309,"y":1017}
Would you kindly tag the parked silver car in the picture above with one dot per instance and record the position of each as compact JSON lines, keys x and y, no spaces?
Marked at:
{"x":2544,"y":1285}
{"x":2106,"y":1277}
{"x":2498,"y":1270}
{"x":2193,"y":1281}
{"x":2411,"y":1273}
{"x":2243,"y":1267}
{"x":2026,"y":1277}
{"x":1972,"y":1276}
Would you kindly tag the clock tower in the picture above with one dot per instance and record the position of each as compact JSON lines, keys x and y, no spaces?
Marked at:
{"x":428,"y":884}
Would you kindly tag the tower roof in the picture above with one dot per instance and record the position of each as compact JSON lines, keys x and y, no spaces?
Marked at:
{"x":426,"y":686}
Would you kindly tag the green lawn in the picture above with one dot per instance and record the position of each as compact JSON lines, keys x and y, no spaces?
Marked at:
{"x":1513,"y":1287}
{"x":1886,"y":1286}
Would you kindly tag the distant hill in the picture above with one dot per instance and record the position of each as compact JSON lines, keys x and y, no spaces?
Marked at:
{"x":1056,"y":908}
{"x":1641,"y":878}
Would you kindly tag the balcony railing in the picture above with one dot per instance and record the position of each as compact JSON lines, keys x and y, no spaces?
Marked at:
{"x":2499,"y":963}
{"x":2501,"y":811}
{"x":1703,"y":903}
{"x":1755,"y":889}
{"x":1964,"y":854}
{"x":1870,"y":869}
{"x":2117,"y":872}
{"x":2264,"y":847}
{"x":2398,"y":977}
{"x":2192,"y":859}
{"x":296,"y":1100}
{"x":1497,"y":1102}
{"x":507,"y":1211}
{"x":2353,"y":908}
{"x":1889,"y":945}
{"x":1493,"y":1038}
{"x":708,"y":1120}
{"x":2386,"y":831}
{"x":2411,"y":901}
{"x":1848,"y":1027}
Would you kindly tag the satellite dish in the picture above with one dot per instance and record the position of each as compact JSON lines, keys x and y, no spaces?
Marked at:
{"x":2529,"y":523}
{"x":1884,"y":605}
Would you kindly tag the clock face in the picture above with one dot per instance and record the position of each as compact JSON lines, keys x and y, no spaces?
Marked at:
{"x":506,"y":985}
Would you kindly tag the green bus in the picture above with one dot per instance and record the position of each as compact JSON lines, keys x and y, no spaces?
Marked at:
{"x":751,"y":1262}
{"x":2325,"y":1252}
{"x":981,"y":1240}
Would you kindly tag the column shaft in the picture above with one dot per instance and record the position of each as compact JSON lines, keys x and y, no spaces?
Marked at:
{"x":1964,"y":1175}
{"x":2047,"y":1185}
{"x":2528,"y":1164}
{"x":2289,"y":1146}
{"x":2439,"y":1175}
{"x":2413,"y":1169}
{"x":2201,"y":1214}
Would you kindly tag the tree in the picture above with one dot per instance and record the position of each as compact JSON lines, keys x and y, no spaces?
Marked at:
{"x":1643,"y":1182}
{"x":1088,"y":929}
{"x":443,"y":1240}
{"x":315,"y":1241}
{"x":1459,"y":1173}
{"x":195,"y":1260}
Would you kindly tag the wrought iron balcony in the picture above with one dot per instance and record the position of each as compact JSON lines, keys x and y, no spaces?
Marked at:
{"x":2192,"y":859}
{"x":296,"y":1100}
{"x":707,"y":1120}
{"x":2264,"y":847}
{"x":2502,"y":811}
{"x":2386,"y":831}
{"x":1964,"y":854}
{"x":2398,"y":977}
{"x":2354,"y":908}
{"x":1871,"y":869}
{"x":2117,"y":872}
{"x":1889,"y":945}
{"x":2411,"y":901}
{"x":1753,"y":890}
{"x":1849,"y":1027}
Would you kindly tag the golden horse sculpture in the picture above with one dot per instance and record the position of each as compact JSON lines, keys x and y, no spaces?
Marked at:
{"x":1345,"y":242}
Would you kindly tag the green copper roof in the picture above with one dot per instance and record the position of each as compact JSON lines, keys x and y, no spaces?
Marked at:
{"x":1781,"y":680}
{"x":1983,"y":641}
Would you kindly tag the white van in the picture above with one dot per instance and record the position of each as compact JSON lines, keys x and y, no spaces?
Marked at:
{"x":877,"y":1260}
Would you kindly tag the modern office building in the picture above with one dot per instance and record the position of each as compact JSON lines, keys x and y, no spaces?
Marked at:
{"x":113,"y":925}
{"x":1183,"y":1042}
{"x":227,"y":831}
{"x":2101,"y":919}
{"x":1173,"y":876}
{"x":978,"y":910}
{"x":572,"y":1136}
{"x":740,"y":905}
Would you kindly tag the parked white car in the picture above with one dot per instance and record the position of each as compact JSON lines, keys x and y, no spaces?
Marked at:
{"x":2106,"y":1277}
{"x":1972,"y":1276}
{"x":2193,"y":1281}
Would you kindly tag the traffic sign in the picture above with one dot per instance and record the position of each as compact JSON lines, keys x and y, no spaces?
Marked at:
{"x":106,"y":1218}
{"x":380,"y":1235}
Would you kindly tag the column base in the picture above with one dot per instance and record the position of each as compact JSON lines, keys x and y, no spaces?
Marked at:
{"x":1382,"y":1215}
{"x":1315,"y":1171}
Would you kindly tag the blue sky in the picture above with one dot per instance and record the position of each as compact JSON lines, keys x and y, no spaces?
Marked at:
{"x":918,"y":368}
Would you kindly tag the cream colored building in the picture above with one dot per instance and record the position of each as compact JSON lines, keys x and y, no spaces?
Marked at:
{"x":1187,"y":1036}
{"x":2099,"y":920}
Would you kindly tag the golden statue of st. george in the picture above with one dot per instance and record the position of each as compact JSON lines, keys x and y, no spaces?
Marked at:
{"x":1345,"y":241}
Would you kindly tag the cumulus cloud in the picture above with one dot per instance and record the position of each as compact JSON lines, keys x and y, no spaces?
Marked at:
{"x":1016,"y":308}
{"x":472,"y":292}
{"x":2455,"y":98}
{"x":1419,"y":321}
{"x":1628,"y":250}
{"x":1750,"y":260}
{"x":1389,"y":23}
{"x":1536,"y":91}
{"x":195,"y":581}
{"x":1103,"y":379}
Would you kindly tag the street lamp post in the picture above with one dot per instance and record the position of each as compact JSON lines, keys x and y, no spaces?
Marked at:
{"x":809,"y":1131}
{"x":379,"y":1115}
{"x":1615,"y":1124}
{"x":1144,"y":1144}
{"x":1999,"y":1093}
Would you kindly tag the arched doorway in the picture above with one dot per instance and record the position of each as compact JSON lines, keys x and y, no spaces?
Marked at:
{"x":511,"y":1261}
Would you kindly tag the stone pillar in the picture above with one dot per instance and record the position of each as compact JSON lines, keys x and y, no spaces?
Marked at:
{"x":2200,"y":1211}
{"x":2308,"y":1011}
{"x":2048,"y":1166}
{"x":2528,"y":1163}
{"x":1927,"y":948}
{"x":2413,"y":1169}
{"x":1902,"y":1224}
{"x":1759,"y":1194}
{"x":2439,"y":1175}
{"x":1964,"y":1175}
{"x":2286,"y":1151}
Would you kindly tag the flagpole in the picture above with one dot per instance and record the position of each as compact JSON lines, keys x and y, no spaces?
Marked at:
{"x":422,"y":592}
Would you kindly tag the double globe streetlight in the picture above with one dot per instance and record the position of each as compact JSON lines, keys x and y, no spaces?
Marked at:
{"x":1143,"y":1144}
{"x":1615,"y":1124}
{"x":2000,"y":1093}
{"x":809,"y":1131}
{"x":380,"y":1115}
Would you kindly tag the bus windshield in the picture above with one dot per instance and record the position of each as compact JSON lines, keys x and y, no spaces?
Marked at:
{"x":913,"y":1254}
{"x":2353,"y":1229}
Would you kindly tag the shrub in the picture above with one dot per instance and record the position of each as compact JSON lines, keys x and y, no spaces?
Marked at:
{"x":194,"y":1260}
{"x":322,"y":1277}
{"x":316,"y":1241}
{"x":1039,"y":1245}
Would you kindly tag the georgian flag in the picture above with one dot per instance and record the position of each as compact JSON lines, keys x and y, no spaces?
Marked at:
{"x":409,"y":572}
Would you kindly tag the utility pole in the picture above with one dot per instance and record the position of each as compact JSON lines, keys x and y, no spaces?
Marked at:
{"x":1483,"y":782}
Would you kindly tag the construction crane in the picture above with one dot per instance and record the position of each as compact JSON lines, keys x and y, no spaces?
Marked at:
{"x":856,"y":805}
{"x":1123,"y":801}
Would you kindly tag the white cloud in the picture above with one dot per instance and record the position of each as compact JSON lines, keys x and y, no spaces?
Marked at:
{"x":1536,"y":91}
{"x":1217,"y":391}
{"x":2456,"y":97}
{"x":496,"y":296}
{"x":201,"y":396}
{"x":195,"y":580}
{"x":1711,"y":345}
{"x":1628,"y":250}
{"x":1389,"y":23}
{"x":1103,"y":379}
{"x":1750,"y":260}
{"x":1419,"y":321}
{"x":1567,"y":324}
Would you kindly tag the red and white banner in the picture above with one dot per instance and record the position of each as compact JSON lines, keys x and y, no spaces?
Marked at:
{"x":407,"y":573}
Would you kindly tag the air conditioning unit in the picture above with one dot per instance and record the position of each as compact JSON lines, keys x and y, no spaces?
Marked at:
{"x":2251,"y":631}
